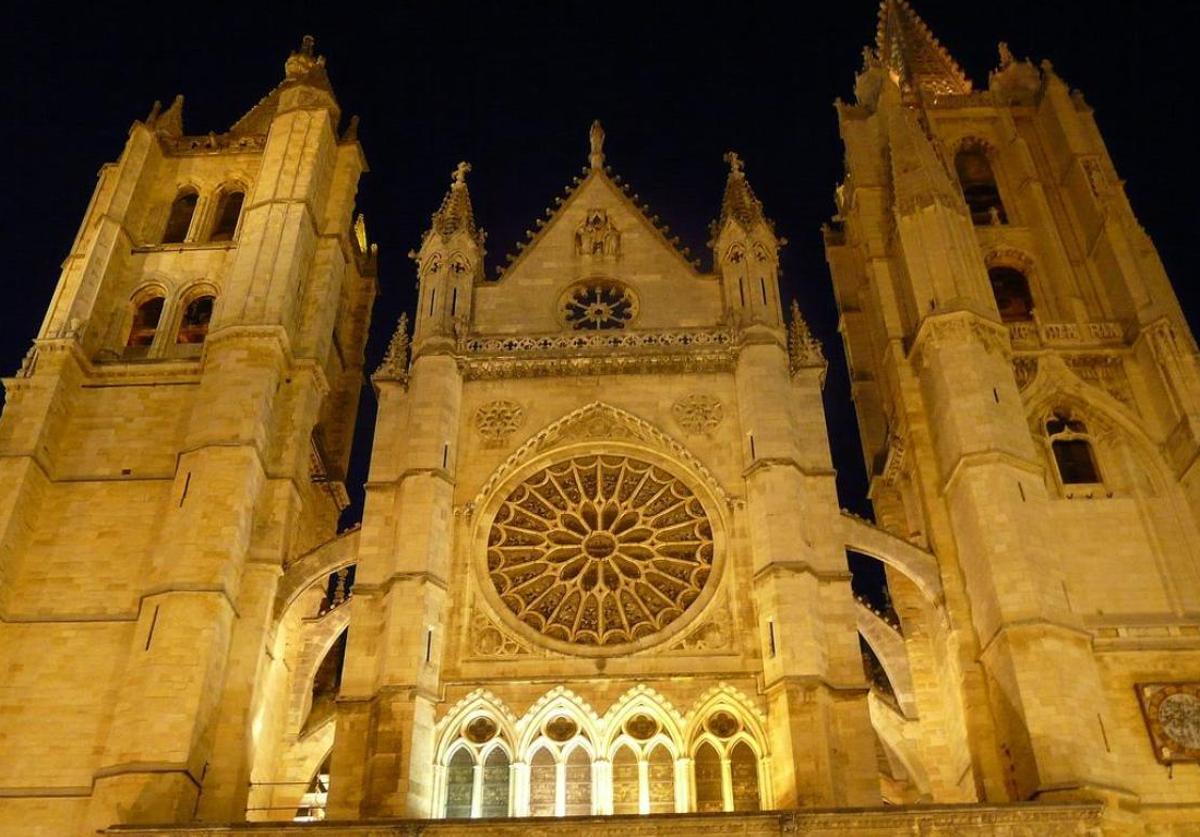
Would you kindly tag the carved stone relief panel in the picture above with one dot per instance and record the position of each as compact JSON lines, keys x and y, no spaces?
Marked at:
{"x":698,"y":413}
{"x":597,"y":235}
{"x":497,"y":420}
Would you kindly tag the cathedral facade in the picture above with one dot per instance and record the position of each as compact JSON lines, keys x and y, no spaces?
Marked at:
{"x":602,"y":569}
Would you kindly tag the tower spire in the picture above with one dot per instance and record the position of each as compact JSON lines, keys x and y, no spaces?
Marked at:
{"x":456,"y":212}
{"x":740,"y":203}
{"x":914,"y":57}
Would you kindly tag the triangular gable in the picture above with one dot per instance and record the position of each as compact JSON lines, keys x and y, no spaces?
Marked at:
{"x":600,"y":232}
{"x":614,"y":190}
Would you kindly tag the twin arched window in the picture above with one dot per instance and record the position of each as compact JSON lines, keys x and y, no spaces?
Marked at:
{"x":979,"y":188}
{"x":147,"y":319}
{"x":183,"y":210}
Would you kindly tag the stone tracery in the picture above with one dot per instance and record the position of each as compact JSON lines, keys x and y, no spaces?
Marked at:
{"x":600,"y":550}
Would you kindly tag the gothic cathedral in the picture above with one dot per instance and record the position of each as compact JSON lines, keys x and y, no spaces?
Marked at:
{"x":602,"y":570}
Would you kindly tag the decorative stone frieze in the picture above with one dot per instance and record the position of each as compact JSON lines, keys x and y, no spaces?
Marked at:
{"x":598,"y":352}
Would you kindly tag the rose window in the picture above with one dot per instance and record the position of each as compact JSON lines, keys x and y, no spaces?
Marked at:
{"x":599,"y":305}
{"x":600,"y":550}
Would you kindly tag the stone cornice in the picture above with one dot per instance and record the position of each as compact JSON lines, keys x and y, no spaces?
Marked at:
{"x":1042,"y":818}
{"x":958,"y":327}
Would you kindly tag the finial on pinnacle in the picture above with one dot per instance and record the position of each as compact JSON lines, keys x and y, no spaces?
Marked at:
{"x":596,"y":139}
{"x":1006,"y":56}
{"x":735,"y":163}
{"x":301,"y":62}
{"x":460,"y":174}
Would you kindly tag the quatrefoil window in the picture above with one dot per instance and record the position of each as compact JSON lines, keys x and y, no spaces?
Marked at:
{"x":598,"y":304}
{"x":600,"y":550}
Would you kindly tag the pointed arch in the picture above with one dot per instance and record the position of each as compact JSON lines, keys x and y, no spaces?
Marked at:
{"x":734,"y":700}
{"x":642,"y":700}
{"x":591,"y":422}
{"x":558,"y":701}
{"x":479,"y":703}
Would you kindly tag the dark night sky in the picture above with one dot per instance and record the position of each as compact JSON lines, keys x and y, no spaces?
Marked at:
{"x":512,"y":87}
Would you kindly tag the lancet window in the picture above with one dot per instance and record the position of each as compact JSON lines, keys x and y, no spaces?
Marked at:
{"x":1013,"y":298}
{"x":1072,"y":448}
{"x":478,"y":772}
{"x":147,"y":312}
{"x":193,"y":326}
{"x":566,"y":766}
{"x":229,"y":211}
{"x":726,"y":765}
{"x":179,"y":219}
{"x":979,"y":188}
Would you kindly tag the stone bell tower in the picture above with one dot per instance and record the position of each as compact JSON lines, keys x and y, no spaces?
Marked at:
{"x":1026,"y":388}
{"x":601,"y":567}
{"x":178,"y":432}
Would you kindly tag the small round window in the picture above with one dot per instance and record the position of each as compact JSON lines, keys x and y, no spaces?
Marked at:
{"x":598,"y":304}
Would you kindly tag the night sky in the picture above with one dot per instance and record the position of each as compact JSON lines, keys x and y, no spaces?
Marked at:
{"x":513,"y":86}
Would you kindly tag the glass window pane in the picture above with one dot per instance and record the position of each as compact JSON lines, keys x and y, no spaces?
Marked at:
{"x":709,"y":795}
{"x":661,"y":770}
{"x":743,"y":770}
{"x":543,"y":784}
{"x":579,"y":783}
{"x":495,"y":785}
{"x":1075,"y":461}
{"x":626,"y":783}
{"x":460,"y":785}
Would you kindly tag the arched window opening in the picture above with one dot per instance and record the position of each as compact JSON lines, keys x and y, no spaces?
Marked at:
{"x":1011,"y":289}
{"x":577,"y":788}
{"x":327,"y":682}
{"x":229,"y":210}
{"x":543,"y":784}
{"x":313,"y":802}
{"x":626,"y":783}
{"x":660,"y":780}
{"x":179,"y":220}
{"x":979,"y":186}
{"x":495,"y":785}
{"x":145,"y":321}
{"x":197,"y":314}
{"x":710,"y":794}
{"x":1072,"y":450}
{"x":460,"y":785}
{"x":743,"y":770}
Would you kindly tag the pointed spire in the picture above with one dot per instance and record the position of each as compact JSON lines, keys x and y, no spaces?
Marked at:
{"x":596,"y":141}
{"x":739,"y":202}
{"x":456,"y":213}
{"x":804,"y":350}
{"x":913,"y":56}
{"x":302,"y":68}
{"x":168,"y":122}
{"x":395,"y":360}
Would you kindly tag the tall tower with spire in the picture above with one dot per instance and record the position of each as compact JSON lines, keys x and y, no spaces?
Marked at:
{"x":176,"y":436}
{"x":1027,"y":390}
